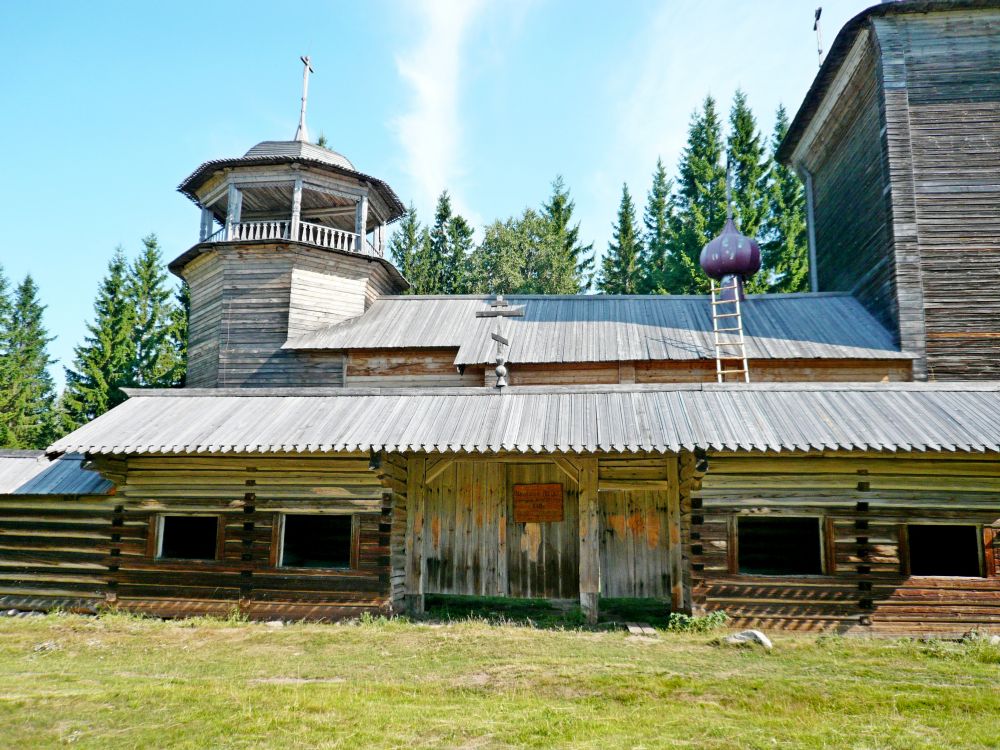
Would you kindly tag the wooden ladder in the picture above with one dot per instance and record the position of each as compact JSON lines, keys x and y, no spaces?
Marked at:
{"x":727,"y":327}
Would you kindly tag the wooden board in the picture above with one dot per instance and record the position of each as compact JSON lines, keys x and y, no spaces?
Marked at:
{"x":538,"y":503}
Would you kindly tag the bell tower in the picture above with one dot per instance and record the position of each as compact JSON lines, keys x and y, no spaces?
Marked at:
{"x":292,"y":237}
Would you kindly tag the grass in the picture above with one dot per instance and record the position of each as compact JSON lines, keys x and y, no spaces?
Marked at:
{"x":124,"y":682}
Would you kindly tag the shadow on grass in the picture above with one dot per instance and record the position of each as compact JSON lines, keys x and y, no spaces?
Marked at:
{"x":545,"y":613}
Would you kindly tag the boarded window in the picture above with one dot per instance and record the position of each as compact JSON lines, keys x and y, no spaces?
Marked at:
{"x":321,"y":541}
{"x":779,"y":546}
{"x":943,"y":550}
{"x":189,"y":537}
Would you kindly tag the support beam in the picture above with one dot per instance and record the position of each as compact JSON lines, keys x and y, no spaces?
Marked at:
{"x":590,"y":540}
{"x":361,"y":222}
{"x":296,"y":210}
{"x":234,"y":208}
{"x":416,"y":506}
{"x":811,"y":232}
{"x":206,"y":224}
{"x":679,"y":600}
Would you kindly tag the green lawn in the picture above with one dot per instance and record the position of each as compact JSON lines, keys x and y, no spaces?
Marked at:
{"x":120,"y":682}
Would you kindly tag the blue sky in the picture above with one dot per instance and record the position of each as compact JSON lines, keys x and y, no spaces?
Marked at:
{"x":107,"y":106}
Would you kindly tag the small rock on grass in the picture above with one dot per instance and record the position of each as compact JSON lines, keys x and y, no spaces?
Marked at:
{"x":276,"y":623}
{"x":748,"y":638}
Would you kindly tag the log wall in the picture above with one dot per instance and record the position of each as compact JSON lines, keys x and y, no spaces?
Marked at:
{"x":864,"y":501}
{"x":247,"y":299}
{"x":54,"y":551}
{"x":249,"y":494}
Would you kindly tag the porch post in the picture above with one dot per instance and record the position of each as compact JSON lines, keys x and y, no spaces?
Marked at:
{"x":206,"y":224}
{"x":590,"y":542}
{"x":233,"y":210}
{"x":360,"y":222}
{"x":678,"y":600}
{"x":415,"y":493}
{"x":293,"y":231}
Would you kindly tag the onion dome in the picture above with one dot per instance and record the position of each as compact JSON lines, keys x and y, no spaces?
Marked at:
{"x":731,"y":254}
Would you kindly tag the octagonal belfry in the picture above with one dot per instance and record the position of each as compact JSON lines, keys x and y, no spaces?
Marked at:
{"x":292,"y":237}
{"x":296,"y":192}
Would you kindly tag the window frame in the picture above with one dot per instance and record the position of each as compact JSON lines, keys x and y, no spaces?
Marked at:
{"x":824,"y":530}
{"x":155,"y":548}
{"x":904,"y":549}
{"x":278,"y":540}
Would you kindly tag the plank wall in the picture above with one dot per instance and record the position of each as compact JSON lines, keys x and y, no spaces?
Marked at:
{"x":864,"y":501}
{"x":852,"y":220}
{"x":398,"y":368}
{"x":248,"y":297}
{"x":470,"y":544}
{"x":941,"y":78}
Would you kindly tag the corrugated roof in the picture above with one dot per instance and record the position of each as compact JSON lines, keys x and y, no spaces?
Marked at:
{"x":599,"y":328}
{"x":755,"y":417}
{"x":32,"y":473}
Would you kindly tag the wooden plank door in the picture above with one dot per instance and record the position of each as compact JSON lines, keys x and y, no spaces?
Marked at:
{"x":635,"y":544}
{"x":542,"y":558}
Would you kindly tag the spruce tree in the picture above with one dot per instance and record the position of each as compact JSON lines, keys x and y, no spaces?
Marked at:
{"x":177,"y":335}
{"x":558,"y":215}
{"x":621,"y":271}
{"x":785,"y":246}
{"x":8,"y":366}
{"x":657,"y":236}
{"x":459,"y":248}
{"x":155,"y":357}
{"x":28,"y":413}
{"x":750,"y":165}
{"x":701,"y":202}
{"x":404,"y":245}
{"x":102,"y":364}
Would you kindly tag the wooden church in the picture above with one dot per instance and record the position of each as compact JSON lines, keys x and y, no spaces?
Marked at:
{"x":819,"y":461}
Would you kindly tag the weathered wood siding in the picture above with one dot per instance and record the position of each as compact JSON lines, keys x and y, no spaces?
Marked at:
{"x":852,"y":218}
{"x":249,"y":494}
{"x":398,"y":368}
{"x":940,"y":74}
{"x":247,"y":298}
{"x":54,"y":551}
{"x":864,"y":501}
{"x":471,"y":544}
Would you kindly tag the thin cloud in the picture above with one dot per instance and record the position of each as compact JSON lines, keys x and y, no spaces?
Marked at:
{"x":430,"y":131}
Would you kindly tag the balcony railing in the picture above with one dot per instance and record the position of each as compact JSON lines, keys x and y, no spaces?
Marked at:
{"x":309,"y":234}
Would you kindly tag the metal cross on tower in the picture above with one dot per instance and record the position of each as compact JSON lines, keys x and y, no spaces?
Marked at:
{"x":302,"y":134}
{"x":500,"y":309}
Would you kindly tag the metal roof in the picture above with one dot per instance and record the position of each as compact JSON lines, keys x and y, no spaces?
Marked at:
{"x":600,"y":328}
{"x":755,"y":417}
{"x":32,"y":473}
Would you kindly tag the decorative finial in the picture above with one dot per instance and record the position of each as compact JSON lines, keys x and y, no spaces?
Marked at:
{"x":302,"y":134}
{"x":729,"y":191}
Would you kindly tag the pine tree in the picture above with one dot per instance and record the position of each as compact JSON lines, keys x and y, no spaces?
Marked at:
{"x":750,"y":165}
{"x":29,"y":410}
{"x":621,"y":271}
{"x":558,"y":214}
{"x":657,"y":219}
{"x":8,"y":365}
{"x":101,"y":365}
{"x":155,"y":358}
{"x":701,"y":202}
{"x":460,"y":247}
{"x":404,"y":245}
{"x":785,"y":247}
{"x":177,"y":335}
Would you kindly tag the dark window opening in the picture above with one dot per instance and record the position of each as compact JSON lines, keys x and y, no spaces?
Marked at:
{"x":943,"y":550}
{"x":317,"y":542}
{"x":189,"y":537}
{"x":779,"y":546}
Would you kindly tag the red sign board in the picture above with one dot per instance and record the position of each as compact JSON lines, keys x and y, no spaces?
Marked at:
{"x":538,"y":503}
